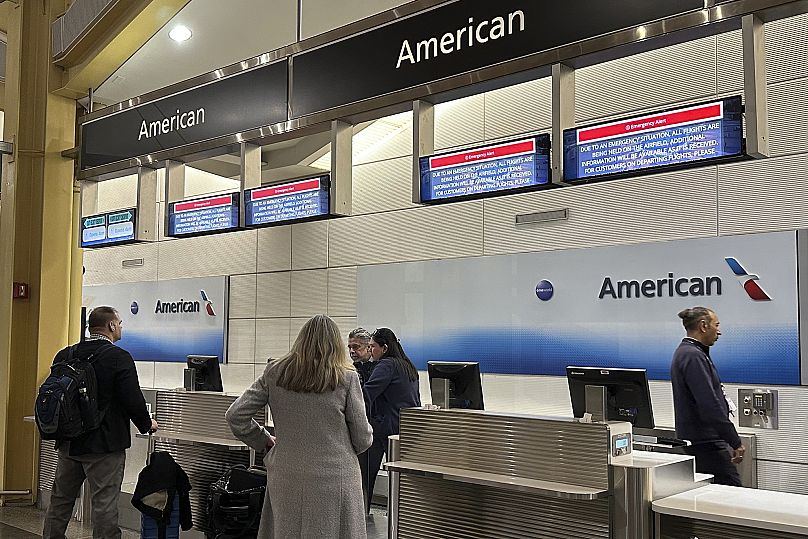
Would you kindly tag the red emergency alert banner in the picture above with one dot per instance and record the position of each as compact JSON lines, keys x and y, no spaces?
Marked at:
{"x":702,"y":113}
{"x":484,"y":154}
{"x":286,"y":189}
{"x":191,"y":205}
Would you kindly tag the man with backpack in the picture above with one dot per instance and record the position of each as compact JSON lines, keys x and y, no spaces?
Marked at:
{"x":86,"y":405}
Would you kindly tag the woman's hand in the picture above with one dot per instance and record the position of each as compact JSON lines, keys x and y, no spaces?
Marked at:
{"x":270,"y":443}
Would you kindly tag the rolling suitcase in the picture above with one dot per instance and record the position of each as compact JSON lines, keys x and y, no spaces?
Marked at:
{"x":151,"y":527}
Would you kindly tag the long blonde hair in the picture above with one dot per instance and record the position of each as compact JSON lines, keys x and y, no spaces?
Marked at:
{"x":317,"y":361}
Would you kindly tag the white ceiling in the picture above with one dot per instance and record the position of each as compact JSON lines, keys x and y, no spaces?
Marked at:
{"x":226,"y":32}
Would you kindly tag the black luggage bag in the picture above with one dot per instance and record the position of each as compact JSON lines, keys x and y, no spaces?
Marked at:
{"x":235,"y":502}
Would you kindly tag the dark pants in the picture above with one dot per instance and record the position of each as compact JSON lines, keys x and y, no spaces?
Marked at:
{"x":104,"y":474}
{"x":374,"y":462}
{"x":363,"y":467}
{"x":717,"y":461}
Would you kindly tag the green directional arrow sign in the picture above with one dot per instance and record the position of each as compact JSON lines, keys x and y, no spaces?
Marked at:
{"x":120,"y":217}
{"x":94,"y":221}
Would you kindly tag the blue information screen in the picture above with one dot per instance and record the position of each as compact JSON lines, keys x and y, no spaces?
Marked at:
{"x":518,"y":164}
{"x":674,"y":138}
{"x":202,"y":216}
{"x":293,"y":201}
{"x":113,"y":228}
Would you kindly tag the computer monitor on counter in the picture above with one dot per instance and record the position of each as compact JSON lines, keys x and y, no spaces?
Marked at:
{"x":460,"y":379}
{"x":627,"y":395}
{"x":206,"y":373}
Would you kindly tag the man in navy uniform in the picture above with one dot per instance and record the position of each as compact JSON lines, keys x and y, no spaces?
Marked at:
{"x":700,"y":405}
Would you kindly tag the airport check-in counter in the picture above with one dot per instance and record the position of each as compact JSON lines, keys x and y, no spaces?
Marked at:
{"x":475,"y":474}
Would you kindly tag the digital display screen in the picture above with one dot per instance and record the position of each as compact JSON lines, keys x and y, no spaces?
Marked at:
{"x":293,"y":201}
{"x":677,"y":137}
{"x":113,"y":228}
{"x":518,"y":164}
{"x":204,"y":215}
{"x":621,"y":443}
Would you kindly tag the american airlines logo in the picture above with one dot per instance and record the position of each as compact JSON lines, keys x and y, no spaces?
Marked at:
{"x":747,"y":280}
{"x":208,"y":303}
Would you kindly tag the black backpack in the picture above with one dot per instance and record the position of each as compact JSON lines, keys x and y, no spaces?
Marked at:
{"x":67,"y":402}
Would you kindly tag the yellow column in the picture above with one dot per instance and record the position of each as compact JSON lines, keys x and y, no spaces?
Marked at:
{"x":36,"y":224}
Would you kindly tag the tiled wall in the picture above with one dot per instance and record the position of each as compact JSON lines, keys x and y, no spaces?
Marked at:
{"x":280,"y":276}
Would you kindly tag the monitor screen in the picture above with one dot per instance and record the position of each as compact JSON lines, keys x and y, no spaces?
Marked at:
{"x":627,"y":395}
{"x":112,"y":228}
{"x":286,"y":202}
{"x":208,"y":376}
{"x":203,"y":215}
{"x":680,"y":137}
{"x":513,"y":166}
{"x":465,"y":384}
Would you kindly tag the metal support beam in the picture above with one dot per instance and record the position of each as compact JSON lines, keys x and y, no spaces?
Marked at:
{"x":341,"y":167}
{"x":174,"y":188}
{"x":754,"y":86}
{"x":147,"y":194}
{"x":250,"y":175}
{"x":423,"y":141}
{"x":563,"y":96}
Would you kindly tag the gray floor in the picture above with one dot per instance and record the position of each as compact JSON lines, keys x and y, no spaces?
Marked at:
{"x":26,"y":523}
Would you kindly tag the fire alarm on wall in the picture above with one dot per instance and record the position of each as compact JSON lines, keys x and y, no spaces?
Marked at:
{"x":20,"y":290}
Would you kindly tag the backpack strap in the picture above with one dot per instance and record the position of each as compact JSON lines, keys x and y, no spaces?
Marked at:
{"x":97,"y":354}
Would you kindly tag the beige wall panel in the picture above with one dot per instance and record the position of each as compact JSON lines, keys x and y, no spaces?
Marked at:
{"x":761,"y":196}
{"x":342,"y":291}
{"x":346,"y":324}
{"x":274,"y":295}
{"x":460,"y":122}
{"x":104,"y":266}
{"x":449,"y":231}
{"x":219,"y":254}
{"x":241,"y":341}
{"x":310,"y":245}
{"x":783,"y":476}
{"x":237,"y":378}
{"x":787,"y":48}
{"x":275,"y":248}
{"x":318,"y":16}
{"x":518,"y":109}
{"x":540,"y":395}
{"x":729,"y":48}
{"x":271,"y":339}
{"x":385,"y":138}
{"x":788,"y":442}
{"x":616,"y":212}
{"x":117,"y":194}
{"x":145,"y":373}
{"x":383,"y":186}
{"x":242,"y":296}
{"x":788,"y":116}
{"x":309,"y":293}
{"x":652,"y":79}
{"x":168,"y":375}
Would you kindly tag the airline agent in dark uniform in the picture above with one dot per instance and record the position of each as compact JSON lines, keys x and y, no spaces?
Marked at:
{"x":700,"y":405}
{"x":393,"y":385}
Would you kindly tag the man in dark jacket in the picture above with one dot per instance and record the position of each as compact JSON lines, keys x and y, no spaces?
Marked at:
{"x":100,"y":455}
{"x":359,"y":349}
{"x":700,"y":405}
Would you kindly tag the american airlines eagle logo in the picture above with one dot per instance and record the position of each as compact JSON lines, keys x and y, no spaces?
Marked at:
{"x":747,"y":280}
{"x":208,"y":303}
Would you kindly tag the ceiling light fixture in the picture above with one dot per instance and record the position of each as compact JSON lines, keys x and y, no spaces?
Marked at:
{"x":180,"y":33}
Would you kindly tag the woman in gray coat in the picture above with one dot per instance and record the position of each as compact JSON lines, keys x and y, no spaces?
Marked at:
{"x":314,"y":487}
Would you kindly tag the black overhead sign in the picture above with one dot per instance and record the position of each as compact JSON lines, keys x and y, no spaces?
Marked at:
{"x":234,"y":104}
{"x":456,"y":38}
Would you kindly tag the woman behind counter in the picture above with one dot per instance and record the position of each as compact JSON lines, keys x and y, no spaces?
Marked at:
{"x":314,"y":488}
{"x":393,"y":385}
